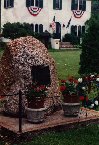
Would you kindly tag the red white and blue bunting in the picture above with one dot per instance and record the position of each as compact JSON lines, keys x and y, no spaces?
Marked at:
{"x":34,"y":10}
{"x":78,"y":13}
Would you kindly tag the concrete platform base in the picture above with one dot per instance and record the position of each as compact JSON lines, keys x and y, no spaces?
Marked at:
{"x":56,"y":121}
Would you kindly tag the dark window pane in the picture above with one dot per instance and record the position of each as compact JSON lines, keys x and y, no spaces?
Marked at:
{"x":80,"y":4}
{"x":12,"y":3}
{"x":83,"y":29}
{"x":37,"y":3}
{"x":32,"y":3}
{"x":54,"y":4}
{"x":79,"y":31}
{"x":40,"y":28}
{"x":84,"y":5}
{"x":28,"y":3}
{"x":36,"y":28}
{"x":41,"y":75}
{"x":57,"y":4}
{"x":32,"y":27}
{"x":74,"y":5}
{"x":8,"y":3}
{"x":75,"y":30}
{"x":41,"y":3}
{"x":72,"y":29}
{"x":5,"y":4}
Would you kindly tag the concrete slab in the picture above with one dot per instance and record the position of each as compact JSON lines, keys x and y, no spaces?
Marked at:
{"x":56,"y":120}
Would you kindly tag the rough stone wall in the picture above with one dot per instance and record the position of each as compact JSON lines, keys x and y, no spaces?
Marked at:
{"x":15,"y":71}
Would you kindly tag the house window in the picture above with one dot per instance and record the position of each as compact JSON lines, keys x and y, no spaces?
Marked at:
{"x":40,"y":28}
{"x":36,"y":28}
{"x":32,"y":27}
{"x":8,"y":3}
{"x":77,"y":30}
{"x":57,"y":4}
{"x":83,"y":29}
{"x":78,"y":5}
{"x":35,"y":3}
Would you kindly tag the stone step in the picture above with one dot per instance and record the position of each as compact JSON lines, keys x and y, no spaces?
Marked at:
{"x":66,"y":45}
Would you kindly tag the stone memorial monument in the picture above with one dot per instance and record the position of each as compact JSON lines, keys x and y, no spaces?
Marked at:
{"x":22,"y":59}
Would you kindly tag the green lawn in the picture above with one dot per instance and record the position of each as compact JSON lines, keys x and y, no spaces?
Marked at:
{"x":84,"y":136}
{"x":67,"y":63}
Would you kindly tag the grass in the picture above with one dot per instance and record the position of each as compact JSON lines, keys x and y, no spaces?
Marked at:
{"x":67,"y":63}
{"x":83,"y":136}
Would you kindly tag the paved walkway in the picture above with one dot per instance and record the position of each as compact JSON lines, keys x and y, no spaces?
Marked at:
{"x":55,"y":121}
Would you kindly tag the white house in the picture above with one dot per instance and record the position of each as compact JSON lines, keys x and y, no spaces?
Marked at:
{"x":55,"y":16}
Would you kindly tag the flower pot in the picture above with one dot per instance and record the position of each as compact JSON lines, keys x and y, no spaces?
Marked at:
{"x":70,"y":99}
{"x":36,"y":103}
{"x":71,"y":109}
{"x":35,"y":115}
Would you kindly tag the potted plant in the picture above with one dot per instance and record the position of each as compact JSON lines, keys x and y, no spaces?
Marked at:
{"x":35,"y":97}
{"x":89,"y":86}
{"x":71,"y":104}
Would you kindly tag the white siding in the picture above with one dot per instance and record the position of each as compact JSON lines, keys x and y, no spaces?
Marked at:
{"x":20,"y":14}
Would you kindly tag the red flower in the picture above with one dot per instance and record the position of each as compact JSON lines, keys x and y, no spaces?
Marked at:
{"x":63,"y":88}
{"x":76,"y":81}
{"x":42,"y":87}
{"x":81,"y":98}
{"x":63,"y":81}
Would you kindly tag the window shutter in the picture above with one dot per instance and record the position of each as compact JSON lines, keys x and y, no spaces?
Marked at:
{"x":76,"y":5}
{"x":32,"y":3}
{"x":36,"y":28}
{"x":84,"y":5}
{"x":41,"y":3}
{"x":40,"y":28}
{"x":83,"y":29}
{"x":79,"y":31}
{"x":54,"y":4}
{"x":12,"y":3}
{"x":72,"y":29}
{"x":80,"y":4}
{"x":27,"y":3}
{"x":32,"y":27}
{"x":60,"y":4}
{"x":5,"y":6}
{"x":73,"y":5}
{"x":75,"y":29}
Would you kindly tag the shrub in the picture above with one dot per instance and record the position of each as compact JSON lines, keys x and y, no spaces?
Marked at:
{"x":16,"y":30}
{"x":71,"y":38}
{"x":89,"y":58}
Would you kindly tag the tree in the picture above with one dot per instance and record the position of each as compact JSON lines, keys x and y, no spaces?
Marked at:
{"x":89,"y":58}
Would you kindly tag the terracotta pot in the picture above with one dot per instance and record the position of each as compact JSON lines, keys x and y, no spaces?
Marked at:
{"x":70,"y":99}
{"x":36,"y":103}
